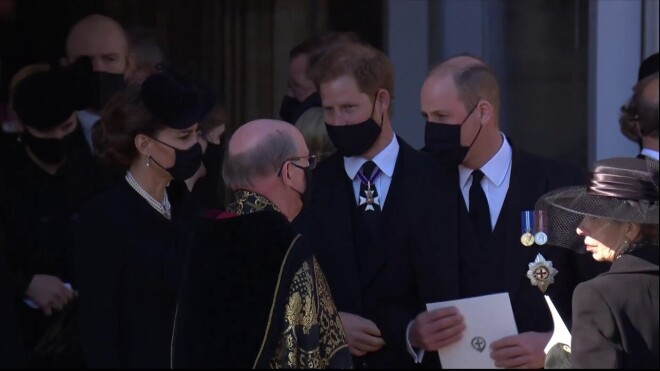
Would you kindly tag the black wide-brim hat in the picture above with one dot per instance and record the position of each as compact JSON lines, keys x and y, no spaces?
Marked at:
{"x":177,"y":101}
{"x":45,"y":100}
{"x":620,"y":190}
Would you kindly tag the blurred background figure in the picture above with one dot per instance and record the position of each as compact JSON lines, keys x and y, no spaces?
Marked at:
{"x":209,"y":187}
{"x":145,"y":48}
{"x":301,"y":92}
{"x":639,"y":116}
{"x":47,"y":180}
{"x":103,"y":41}
{"x":312,"y":126}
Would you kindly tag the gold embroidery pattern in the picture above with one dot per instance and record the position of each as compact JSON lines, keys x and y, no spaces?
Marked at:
{"x":313,"y":336}
{"x":249,"y":202}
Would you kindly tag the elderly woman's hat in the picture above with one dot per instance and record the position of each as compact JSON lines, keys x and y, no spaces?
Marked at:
{"x":620,"y":189}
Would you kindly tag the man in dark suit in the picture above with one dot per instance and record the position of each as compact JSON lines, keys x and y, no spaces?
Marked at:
{"x":639,"y":116}
{"x":497,"y":182}
{"x":382,"y":218}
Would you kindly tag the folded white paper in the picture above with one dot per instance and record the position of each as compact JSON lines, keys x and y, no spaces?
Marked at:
{"x":487,"y":319}
{"x":560,"y":333}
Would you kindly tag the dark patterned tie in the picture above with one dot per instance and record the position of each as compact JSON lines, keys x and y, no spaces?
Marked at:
{"x":368,"y":201}
{"x":479,"y":210}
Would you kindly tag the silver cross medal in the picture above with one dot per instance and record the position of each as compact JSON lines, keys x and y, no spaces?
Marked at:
{"x":370,"y":200}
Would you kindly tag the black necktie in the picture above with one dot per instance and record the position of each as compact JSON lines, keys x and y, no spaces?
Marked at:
{"x":479,"y":210}
{"x":369,"y":202}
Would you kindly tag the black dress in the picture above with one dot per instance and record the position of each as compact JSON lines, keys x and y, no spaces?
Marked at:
{"x":129,"y":260}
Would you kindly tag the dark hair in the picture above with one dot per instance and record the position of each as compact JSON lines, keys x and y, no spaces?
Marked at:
{"x":123,"y":118}
{"x":370,"y":68}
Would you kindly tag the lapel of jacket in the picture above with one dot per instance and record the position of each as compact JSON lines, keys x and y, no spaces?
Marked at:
{"x":389,"y":219}
{"x":524,"y":184}
{"x":333,"y":209}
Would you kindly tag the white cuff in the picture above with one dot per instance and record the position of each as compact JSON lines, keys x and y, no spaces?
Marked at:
{"x":416,"y":355}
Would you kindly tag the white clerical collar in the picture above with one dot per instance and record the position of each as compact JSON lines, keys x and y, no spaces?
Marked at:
{"x":495,"y":169}
{"x":650,"y":153}
{"x":385,"y":160}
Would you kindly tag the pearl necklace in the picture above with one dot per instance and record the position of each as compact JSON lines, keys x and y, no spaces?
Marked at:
{"x":164,"y":208}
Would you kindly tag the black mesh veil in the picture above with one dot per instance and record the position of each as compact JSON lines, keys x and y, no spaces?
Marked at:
{"x":621,"y":190}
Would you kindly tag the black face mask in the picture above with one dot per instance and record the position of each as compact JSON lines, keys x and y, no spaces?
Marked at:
{"x":444,"y":140}
{"x":186,"y":161}
{"x":306,"y":196}
{"x":291,"y":108}
{"x":49,"y":150}
{"x":354,"y":140}
{"x":103,"y":86}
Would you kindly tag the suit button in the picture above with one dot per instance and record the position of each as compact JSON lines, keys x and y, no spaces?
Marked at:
{"x":364,"y":364}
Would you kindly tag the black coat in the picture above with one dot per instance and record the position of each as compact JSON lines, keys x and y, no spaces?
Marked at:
{"x":414,"y":260}
{"x":129,"y":261}
{"x":12,"y":353}
{"x":615,"y":318}
{"x":40,"y":214}
{"x":531,"y":177}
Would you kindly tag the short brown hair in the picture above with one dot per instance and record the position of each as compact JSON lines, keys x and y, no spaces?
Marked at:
{"x":316,"y":47}
{"x":123,"y":118}
{"x":370,"y":68}
{"x":477,"y":82}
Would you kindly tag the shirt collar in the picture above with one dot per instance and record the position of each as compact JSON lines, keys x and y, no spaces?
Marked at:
{"x":385,"y":160}
{"x":495,"y":169}
{"x":87,"y":119}
{"x":650,"y":153}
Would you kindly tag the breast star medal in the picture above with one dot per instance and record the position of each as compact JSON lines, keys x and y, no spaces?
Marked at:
{"x":369,"y":198}
{"x":541,"y":273}
{"x":527,"y":221}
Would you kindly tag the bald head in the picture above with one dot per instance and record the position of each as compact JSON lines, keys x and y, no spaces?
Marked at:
{"x":254,"y":133}
{"x":455,"y":65}
{"x":257,"y":150}
{"x":471,"y":77}
{"x":103,"y":40}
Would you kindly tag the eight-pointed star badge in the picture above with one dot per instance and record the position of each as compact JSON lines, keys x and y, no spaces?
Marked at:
{"x":541,"y":273}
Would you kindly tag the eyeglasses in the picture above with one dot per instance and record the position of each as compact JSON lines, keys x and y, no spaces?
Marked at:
{"x":312,"y":161}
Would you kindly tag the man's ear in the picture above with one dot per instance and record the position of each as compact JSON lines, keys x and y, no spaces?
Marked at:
{"x":486,"y":111}
{"x":383,"y":99}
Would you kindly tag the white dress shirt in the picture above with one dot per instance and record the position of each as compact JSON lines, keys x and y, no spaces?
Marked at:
{"x":497,"y":176}
{"x":385,"y":160}
{"x":495,"y":183}
{"x":87,"y":119}
{"x":650,"y":153}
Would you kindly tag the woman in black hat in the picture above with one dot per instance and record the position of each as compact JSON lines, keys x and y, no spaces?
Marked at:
{"x":615,"y":218}
{"x":47,"y":179}
{"x":131,"y":241}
